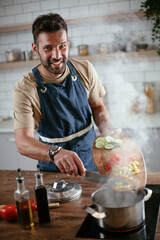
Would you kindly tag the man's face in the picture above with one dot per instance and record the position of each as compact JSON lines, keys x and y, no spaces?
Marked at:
{"x":53,"y":49}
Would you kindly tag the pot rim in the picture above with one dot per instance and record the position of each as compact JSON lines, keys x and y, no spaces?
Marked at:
{"x":146,"y":194}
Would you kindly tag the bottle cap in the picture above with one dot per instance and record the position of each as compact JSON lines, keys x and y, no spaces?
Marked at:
{"x":19,"y":172}
{"x":38,"y":168}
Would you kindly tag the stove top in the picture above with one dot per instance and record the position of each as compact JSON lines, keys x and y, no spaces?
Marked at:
{"x":146,"y":231}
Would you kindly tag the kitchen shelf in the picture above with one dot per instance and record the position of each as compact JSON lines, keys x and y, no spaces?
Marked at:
{"x":91,"y":58}
{"x":94,"y":19}
{"x":18,"y":64}
{"x":120,"y":55}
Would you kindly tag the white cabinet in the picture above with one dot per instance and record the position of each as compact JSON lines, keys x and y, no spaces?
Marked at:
{"x":10,"y":158}
{"x":151,"y":150}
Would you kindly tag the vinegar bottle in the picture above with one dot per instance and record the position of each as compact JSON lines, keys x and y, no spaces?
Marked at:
{"x":41,"y":198}
{"x":22,"y":198}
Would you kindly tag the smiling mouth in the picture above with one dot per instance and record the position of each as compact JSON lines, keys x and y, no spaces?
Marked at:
{"x":56,"y":62}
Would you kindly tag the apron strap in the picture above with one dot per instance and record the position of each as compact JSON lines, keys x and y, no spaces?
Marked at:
{"x":66,"y":139}
{"x":38,"y":78}
{"x":73,"y":72}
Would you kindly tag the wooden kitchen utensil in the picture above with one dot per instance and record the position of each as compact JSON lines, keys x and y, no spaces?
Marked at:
{"x":50,"y":205}
{"x":124,"y":161}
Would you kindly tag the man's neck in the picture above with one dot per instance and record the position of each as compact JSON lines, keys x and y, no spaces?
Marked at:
{"x":48,"y":74}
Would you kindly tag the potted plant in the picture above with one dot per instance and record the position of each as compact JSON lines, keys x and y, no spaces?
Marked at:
{"x":151,"y":8}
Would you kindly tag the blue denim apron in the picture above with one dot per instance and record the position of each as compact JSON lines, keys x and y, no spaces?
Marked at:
{"x":65,"y":111}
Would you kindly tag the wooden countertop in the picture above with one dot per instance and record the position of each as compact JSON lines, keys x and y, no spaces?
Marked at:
{"x":65,"y":220}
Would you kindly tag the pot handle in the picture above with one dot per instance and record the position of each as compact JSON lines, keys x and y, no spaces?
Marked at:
{"x":148,"y":194}
{"x":94,"y":213}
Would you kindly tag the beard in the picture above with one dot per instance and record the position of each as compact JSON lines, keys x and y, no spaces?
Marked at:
{"x":50,"y":65}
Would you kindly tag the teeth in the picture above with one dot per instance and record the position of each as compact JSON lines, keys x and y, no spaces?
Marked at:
{"x":57,"y":63}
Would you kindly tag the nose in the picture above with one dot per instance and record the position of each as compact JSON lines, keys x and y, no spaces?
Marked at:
{"x":56,"y":53}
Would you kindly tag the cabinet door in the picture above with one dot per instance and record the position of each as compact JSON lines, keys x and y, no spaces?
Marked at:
{"x":11,"y":159}
{"x":151,"y":150}
{"x":26,"y":163}
{"x":9,"y":153}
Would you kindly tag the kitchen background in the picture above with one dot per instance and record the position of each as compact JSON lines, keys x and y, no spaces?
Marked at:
{"x":120,"y":47}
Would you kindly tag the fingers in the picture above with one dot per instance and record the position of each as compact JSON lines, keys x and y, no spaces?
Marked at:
{"x":68,"y":162}
{"x":64,"y":168}
{"x":68,"y":170}
{"x":80,"y":168}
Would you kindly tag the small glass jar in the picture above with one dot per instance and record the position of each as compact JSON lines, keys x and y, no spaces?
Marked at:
{"x":103,"y":48}
{"x":83,"y":50}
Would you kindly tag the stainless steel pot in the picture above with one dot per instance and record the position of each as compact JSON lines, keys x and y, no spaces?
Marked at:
{"x":119,"y":211}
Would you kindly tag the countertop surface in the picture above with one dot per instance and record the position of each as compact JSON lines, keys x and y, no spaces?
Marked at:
{"x":65,"y":220}
{"x":139,"y":120}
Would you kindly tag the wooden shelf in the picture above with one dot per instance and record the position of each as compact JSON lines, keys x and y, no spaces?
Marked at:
{"x":120,"y":55}
{"x":18,"y":64}
{"x":82,"y":20}
{"x":92,"y":58}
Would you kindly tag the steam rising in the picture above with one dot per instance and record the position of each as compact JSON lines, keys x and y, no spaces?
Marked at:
{"x":132,"y":103}
{"x":128,"y":112}
{"x":114,"y":199}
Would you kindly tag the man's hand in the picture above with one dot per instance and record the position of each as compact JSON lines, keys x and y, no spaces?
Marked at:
{"x":69,"y":162}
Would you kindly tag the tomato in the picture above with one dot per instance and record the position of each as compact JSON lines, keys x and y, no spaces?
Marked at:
{"x":116,"y":157}
{"x":33,"y":206}
{"x":107,"y":167}
{"x":9,"y":213}
{"x":133,"y":158}
{"x":113,"y":161}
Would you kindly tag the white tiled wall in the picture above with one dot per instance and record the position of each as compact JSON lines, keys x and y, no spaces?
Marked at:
{"x":122,"y":78}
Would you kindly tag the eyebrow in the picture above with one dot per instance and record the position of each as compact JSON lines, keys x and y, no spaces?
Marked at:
{"x":52,"y":44}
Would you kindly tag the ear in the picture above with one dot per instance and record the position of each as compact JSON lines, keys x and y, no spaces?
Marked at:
{"x":35,"y":48}
{"x":68,"y":43}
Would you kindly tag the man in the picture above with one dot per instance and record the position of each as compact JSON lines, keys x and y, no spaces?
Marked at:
{"x":58,"y":98}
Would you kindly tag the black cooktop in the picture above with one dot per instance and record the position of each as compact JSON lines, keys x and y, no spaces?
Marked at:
{"x":146,"y":231}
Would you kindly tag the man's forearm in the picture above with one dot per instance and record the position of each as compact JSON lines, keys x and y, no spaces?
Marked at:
{"x":67,"y":161}
{"x":31,"y":147}
{"x":101,"y":119}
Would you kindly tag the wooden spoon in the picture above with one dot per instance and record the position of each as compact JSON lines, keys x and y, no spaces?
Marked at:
{"x":124,"y":161}
{"x":50,"y":205}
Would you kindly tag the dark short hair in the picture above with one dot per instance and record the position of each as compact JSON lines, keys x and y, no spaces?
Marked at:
{"x":51,"y":22}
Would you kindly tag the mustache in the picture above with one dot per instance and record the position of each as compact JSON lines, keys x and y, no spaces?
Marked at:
{"x":56,"y":60}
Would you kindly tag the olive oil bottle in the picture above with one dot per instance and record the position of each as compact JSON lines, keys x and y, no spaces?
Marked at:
{"x":22,"y":199}
{"x":41,"y":198}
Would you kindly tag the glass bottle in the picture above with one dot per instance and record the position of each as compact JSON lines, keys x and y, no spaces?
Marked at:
{"x":22,"y":198}
{"x":149,"y":92}
{"x":41,"y":198}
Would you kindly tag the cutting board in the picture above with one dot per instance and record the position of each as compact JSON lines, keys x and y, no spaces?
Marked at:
{"x":125,"y":162}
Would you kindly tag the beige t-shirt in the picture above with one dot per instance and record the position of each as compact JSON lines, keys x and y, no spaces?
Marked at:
{"x":26,"y":104}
